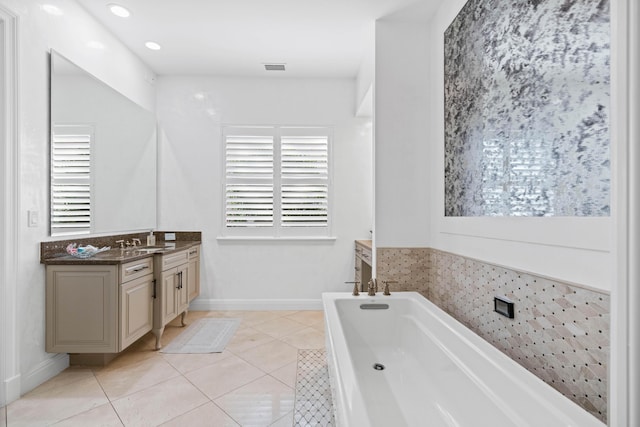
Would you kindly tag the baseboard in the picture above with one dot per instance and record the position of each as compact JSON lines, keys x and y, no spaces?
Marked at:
{"x":255,"y":304}
{"x":11,"y":390}
{"x":44,"y":371}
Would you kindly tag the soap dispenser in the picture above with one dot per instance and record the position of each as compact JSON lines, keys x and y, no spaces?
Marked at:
{"x":151,"y":239}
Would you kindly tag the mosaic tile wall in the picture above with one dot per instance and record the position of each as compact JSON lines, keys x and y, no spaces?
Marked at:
{"x":527,"y":108}
{"x":409,"y":267}
{"x":560,"y":332}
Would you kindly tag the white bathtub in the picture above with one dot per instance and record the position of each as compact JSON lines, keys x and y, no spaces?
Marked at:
{"x":437,"y":372}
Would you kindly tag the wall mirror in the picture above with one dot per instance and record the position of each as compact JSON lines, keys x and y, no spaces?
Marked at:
{"x":103,"y":156}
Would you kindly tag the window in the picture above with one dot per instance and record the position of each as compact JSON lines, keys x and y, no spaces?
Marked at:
{"x":71,"y":179}
{"x":277,"y":181}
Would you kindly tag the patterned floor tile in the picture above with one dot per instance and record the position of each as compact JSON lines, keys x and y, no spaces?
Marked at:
{"x":313,"y":405}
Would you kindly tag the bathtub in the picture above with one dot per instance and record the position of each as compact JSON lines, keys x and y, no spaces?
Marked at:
{"x":400,"y":360}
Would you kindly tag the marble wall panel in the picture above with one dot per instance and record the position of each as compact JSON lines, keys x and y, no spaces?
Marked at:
{"x":527,"y":109}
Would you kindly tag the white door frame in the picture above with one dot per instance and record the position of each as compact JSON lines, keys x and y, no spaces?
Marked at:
{"x":633,"y":250}
{"x":624,"y":370}
{"x":9,"y":351}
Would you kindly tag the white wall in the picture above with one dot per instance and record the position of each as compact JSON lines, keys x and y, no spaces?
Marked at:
{"x":267,"y":274}
{"x":401,"y":113}
{"x":69,"y":34}
{"x":364,"y":80}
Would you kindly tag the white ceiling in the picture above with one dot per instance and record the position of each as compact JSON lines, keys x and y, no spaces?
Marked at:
{"x":315,"y":38}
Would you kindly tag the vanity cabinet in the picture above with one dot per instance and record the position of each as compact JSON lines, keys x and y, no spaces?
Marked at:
{"x":98,"y":308}
{"x":179,"y":284}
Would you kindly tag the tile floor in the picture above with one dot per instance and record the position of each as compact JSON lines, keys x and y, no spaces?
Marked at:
{"x":251,"y":383}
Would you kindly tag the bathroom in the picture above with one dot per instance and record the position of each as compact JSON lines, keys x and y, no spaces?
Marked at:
{"x":403,"y":63}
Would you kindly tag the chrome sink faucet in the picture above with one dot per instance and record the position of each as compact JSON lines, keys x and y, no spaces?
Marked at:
{"x":133,"y":242}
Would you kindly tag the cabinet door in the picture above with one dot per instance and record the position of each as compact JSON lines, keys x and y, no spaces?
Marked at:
{"x":193,"y":278}
{"x":169,"y":284}
{"x":136,"y":317}
{"x":82,"y":307}
{"x":182,"y":288}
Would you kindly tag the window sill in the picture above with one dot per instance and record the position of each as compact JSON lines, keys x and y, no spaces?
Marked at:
{"x":276,"y":239}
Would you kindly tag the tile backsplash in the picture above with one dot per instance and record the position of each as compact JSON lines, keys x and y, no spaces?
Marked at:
{"x":560,"y":332}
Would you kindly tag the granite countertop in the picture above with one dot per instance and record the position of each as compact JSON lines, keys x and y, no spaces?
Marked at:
{"x":120,"y":256}
{"x":365,"y":243}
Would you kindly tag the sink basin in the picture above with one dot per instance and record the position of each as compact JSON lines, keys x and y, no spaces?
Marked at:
{"x":149,"y":249}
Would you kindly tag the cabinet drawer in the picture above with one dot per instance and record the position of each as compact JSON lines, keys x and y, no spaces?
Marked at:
{"x":194,"y":252}
{"x":134,"y":269}
{"x":174,"y":259}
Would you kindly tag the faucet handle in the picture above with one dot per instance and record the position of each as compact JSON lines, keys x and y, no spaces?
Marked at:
{"x":355,"y":288}
{"x":121,"y":242}
{"x":386,"y":286}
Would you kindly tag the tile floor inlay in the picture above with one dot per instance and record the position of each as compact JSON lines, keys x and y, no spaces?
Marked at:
{"x":314,"y":405}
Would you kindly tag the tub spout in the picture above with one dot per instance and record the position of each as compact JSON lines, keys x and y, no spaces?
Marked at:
{"x":373,"y":287}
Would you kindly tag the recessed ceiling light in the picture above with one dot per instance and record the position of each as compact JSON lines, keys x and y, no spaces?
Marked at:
{"x":52,"y":10}
{"x":152,"y":45}
{"x":118,"y":10}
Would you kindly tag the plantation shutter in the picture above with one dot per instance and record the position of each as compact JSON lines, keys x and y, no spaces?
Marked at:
{"x":71,"y":180}
{"x":249,"y":177}
{"x":276,"y":181}
{"x":304,"y":179}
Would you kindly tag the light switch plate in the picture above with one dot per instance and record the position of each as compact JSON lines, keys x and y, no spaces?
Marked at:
{"x":32,"y":218}
{"x":169,"y":236}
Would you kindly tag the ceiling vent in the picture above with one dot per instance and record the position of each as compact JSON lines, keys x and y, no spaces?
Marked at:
{"x":274,"y":67}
